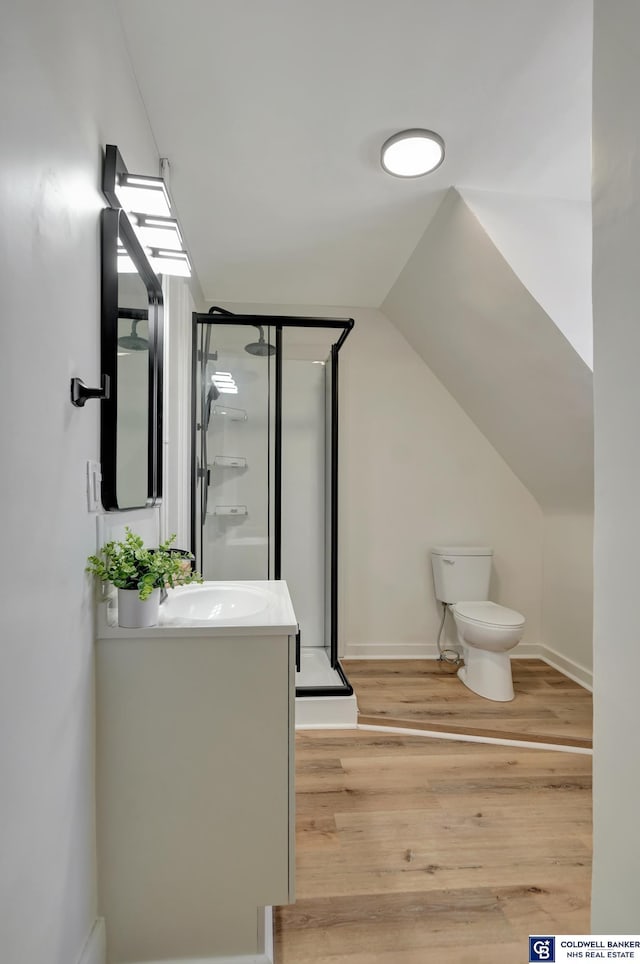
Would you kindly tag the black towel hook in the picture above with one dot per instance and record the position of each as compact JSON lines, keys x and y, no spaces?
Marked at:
{"x":80,"y":393}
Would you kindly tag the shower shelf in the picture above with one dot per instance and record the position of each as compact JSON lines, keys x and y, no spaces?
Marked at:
{"x":233,"y":414}
{"x":230,"y":510}
{"x":230,"y":461}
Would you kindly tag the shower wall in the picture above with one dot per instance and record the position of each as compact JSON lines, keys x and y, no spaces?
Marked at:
{"x":236,"y":438}
{"x":236,"y":546}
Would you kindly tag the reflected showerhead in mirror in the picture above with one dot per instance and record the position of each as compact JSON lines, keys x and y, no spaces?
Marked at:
{"x":261,"y":348}
{"x":134,"y":342}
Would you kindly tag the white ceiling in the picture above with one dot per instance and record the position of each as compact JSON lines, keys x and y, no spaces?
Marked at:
{"x":272,"y":113}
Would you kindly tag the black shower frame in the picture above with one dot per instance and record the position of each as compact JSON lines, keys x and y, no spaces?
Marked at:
{"x":278,"y":323}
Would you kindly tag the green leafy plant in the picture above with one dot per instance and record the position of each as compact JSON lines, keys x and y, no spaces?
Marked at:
{"x":130,"y":565}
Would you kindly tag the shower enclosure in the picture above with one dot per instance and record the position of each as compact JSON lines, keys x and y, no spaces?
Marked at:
{"x":265,"y":469}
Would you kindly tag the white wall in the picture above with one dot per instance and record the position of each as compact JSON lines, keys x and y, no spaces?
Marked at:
{"x":416,"y":472}
{"x":175,"y":507}
{"x":616,"y":296}
{"x":567,"y":592}
{"x":66,"y":90}
{"x":473,"y":321}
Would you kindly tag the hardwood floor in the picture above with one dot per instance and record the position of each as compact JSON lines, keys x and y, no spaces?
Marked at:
{"x":420,"y":851}
{"x":426,"y":694}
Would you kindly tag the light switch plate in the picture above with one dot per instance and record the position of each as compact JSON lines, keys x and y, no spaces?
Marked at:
{"x":94,"y":478}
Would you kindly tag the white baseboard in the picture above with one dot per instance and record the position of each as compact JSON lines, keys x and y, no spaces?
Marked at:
{"x":418,"y":651}
{"x":466,"y":738}
{"x":390,"y":651}
{"x":241,"y":959}
{"x":568,"y":667}
{"x":579,"y":674}
{"x":95,"y":949}
{"x":527,"y":651}
{"x":265,"y":933}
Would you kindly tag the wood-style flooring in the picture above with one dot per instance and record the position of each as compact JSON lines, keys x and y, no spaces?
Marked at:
{"x":426,"y":694}
{"x":412,"y":850}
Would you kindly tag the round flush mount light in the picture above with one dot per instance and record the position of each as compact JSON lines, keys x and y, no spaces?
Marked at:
{"x":412,"y":153}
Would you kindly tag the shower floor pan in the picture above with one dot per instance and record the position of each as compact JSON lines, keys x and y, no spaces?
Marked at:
{"x":326,"y":711}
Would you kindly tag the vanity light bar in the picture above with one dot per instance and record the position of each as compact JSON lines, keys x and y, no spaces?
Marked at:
{"x":158,"y":232}
{"x":145,"y":204}
{"x":143,"y":193}
{"x":225,"y":383}
{"x":170,"y":262}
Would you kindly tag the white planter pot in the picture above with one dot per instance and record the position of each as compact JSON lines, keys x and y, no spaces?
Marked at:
{"x":136,"y":613}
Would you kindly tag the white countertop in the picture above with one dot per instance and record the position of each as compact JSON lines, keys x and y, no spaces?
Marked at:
{"x":276,"y":619}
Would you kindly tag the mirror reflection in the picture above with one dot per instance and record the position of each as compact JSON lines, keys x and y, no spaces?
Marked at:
{"x":132,"y":357}
{"x":133,"y":392}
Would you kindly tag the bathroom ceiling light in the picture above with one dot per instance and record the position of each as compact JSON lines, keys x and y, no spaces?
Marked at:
{"x":170,"y":262}
{"x":157,"y":232}
{"x":143,"y":193}
{"x":412,"y":153}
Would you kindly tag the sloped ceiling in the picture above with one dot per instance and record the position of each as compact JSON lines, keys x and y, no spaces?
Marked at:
{"x":272,"y":114}
{"x":547,"y":242}
{"x":464,"y":310}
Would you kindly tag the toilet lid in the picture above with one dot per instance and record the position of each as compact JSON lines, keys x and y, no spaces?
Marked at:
{"x":489,"y":613}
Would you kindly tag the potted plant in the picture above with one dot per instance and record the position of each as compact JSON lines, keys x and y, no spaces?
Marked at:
{"x":139,"y":575}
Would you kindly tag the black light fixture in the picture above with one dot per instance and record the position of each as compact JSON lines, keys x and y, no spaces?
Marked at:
{"x":157,"y":232}
{"x":145,"y":201}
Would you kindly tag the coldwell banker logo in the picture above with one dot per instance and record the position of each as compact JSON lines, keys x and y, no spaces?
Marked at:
{"x":542,"y":949}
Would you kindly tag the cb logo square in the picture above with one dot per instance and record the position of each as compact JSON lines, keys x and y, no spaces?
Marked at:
{"x":542,"y":949}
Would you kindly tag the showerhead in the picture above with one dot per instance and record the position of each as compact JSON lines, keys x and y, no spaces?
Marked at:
{"x":133,"y":342}
{"x":261,"y":347}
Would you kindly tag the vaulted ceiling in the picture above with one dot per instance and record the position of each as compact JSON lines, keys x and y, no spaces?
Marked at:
{"x":272,"y":113}
{"x":463,"y":309}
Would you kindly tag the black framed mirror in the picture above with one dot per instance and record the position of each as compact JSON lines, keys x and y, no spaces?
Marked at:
{"x":131,"y":352}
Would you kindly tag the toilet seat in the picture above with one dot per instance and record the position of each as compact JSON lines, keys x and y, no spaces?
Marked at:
{"x":489,"y":615}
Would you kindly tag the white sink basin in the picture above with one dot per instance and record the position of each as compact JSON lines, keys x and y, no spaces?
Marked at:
{"x":215,"y":603}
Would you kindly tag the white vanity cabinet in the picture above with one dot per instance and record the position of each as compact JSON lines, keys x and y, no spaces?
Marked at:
{"x":195,"y":788}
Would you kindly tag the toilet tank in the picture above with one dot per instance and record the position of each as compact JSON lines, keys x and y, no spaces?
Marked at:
{"x":461,"y":573}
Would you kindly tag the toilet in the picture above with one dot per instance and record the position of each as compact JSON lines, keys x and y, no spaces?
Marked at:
{"x":486,"y":631}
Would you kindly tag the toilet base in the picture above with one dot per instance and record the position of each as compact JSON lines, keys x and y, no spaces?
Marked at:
{"x":487,"y":674}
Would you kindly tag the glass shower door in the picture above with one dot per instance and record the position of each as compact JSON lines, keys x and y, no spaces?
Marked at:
{"x":308,"y":560}
{"x":234,"y":460}
{"x":265,"y":476}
